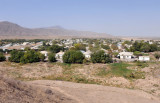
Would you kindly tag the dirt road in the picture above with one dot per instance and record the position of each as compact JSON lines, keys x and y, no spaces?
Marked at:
{"x":90,"y":93}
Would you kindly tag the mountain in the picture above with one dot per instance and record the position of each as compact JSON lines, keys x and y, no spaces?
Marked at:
{"x":12,"y":29}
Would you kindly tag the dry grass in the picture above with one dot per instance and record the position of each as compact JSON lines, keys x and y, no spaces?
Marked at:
{"x":12,"y":91}
{"x":130,"y":76}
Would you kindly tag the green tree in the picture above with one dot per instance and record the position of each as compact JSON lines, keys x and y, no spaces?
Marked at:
{"x":2,"y":57}
{"x":41,"y":56}
{"x":51,"y":57}
{"x":153,"y":47}
{"x":145,"y":47}
{"x":100,"y":57}
{"x":30,"y":56}
{"x":157,"y":55}
{"x":105,"y":47}
{"x":16,"y":56}
{"x":73,"y":56}
{"x":80,"y":46}
{"x":27,"y":48}
{"x":55,"y":48}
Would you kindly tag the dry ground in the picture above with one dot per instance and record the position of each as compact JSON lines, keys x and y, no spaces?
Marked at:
{"x":12,"y":91}
{"x":90,"y":93}
{"x":148,"y":86}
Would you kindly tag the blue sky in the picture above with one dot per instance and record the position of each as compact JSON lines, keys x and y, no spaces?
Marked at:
{"x":116,"y":17}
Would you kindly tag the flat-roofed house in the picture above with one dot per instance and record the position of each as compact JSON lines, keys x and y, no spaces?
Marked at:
{"x":144,"y":58}
{"x":44,"y":52}
{"x":126,"y":55}
{"x":87,"y":54}
{"x":59,"y":55}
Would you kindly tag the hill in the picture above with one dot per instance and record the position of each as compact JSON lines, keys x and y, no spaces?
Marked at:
{"x":12,"y":91}
{"x":12,"y":29}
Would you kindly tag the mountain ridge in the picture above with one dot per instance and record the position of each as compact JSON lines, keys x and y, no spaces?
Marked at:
{"x":13,"y":29}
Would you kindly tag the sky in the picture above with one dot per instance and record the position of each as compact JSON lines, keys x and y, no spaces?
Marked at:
{"x":116,"y":17}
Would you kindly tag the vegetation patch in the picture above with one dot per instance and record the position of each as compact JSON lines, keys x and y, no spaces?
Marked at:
{"x":142,"y":64}
{"x":102,"y":72}
{"x":120,"y":70}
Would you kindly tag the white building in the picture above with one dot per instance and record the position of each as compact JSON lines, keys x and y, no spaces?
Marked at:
{"x":25,"y":43}
{"x":144,"y":58}
{"x":44,"y":52}
{"x":126,"y":55}
{"x":59,"y":55}
{"x":87,"y":54}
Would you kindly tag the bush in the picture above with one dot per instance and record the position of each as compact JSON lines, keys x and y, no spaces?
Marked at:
{"x":80,"y":47}
{"x":73,"y":56}
{"x":2,"y":57}
{"x":101,"y":57}
{"x":138,"y":53}
{"x":42,"y":56}
{"x":51,"y":57}
{"x":30,"y":56}
{"x":157,"y":55}
{"x":105,"y":47}
{"x":55,"y":48}
{"x":143,"y":47}
{"x":141,"y":64}
{"x":16,"y":56}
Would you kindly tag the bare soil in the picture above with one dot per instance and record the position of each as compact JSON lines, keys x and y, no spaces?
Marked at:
{"x":12,"y":91}
{"x":147,"y":88}
{"x":90,"y":93}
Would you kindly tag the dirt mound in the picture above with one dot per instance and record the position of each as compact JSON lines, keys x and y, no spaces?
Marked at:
{"x":12,"y":91}
{"x":91,"y":93}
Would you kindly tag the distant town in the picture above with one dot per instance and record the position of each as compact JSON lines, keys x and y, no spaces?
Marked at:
{"x":89,"y":50}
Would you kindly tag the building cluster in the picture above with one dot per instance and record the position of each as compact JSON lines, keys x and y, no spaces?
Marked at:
{"x":115,"y":47}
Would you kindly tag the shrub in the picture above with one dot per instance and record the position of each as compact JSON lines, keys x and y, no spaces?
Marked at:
{"x":138,"y":53}
{"x":157,"y":55}
{"x":30,"y":56}
{"x":16,"y":56}
{"x":73,"y":56}
{"x":51,"y":57}
{"x":55,"y":48}
{"x":80,"y":47}
{"x":143,"y":47}
{"x":42,"y":56}
{"x":2,"y":57}
{"x":101,"y":57}
{"x":141,"y":64}
{"x":105,"y":47}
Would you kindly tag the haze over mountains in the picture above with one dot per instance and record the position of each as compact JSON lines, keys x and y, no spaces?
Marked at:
{"x":12,"y":29}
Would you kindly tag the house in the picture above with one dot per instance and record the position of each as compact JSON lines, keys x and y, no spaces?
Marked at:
{"x":44,"y":52}
{"x":25,"y":43}
{"x":126,"y":55}
{"x":119,"y":45}
{"x":59,"y":55}
{"x":144,"y":58}
{"x":87,"y":54}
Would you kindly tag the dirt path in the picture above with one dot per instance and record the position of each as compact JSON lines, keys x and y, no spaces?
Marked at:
{"x":89,"y":93}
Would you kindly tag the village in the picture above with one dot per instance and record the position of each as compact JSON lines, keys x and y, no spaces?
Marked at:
{"x":118,"y":50}
{"x":79,"y":51}
{"x":132,"y":64}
